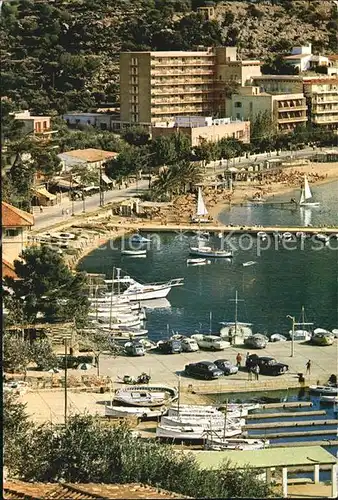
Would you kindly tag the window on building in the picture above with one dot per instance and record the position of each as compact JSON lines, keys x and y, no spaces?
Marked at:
{"x":238,"y":104}
{"x":10,"y":233}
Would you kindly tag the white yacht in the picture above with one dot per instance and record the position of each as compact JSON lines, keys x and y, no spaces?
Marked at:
{"x":146,"y":395}
{"x":136,"y":291}
{"x":190,"y":433}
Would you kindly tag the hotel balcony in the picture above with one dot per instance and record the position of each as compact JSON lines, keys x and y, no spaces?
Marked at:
{"x":181,"y":81}
{"x":182,"y":101}
{"x":180,"y":90}
{"x":294,"y":119}
{"x":320,"y":109}
{"x":325,"y":120}
{"x":172,"y":110}
{"x":183,"y":73}
{"x":323,"y":100}
{"x":288,"y":109}
{"x":173,"y":64}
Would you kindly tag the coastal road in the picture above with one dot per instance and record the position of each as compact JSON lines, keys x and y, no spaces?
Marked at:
{"x":53,"y":215}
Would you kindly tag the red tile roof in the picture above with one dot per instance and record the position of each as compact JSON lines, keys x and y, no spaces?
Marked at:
{"x":8,"y":269}
{"x":14,"y":217}
{"x":91,"y":491}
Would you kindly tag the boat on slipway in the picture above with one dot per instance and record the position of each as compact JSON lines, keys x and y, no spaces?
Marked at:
{"x":190,"y":433}
{"x":325,"y":390}
{"x":212,"y":422}
{"x":136,"y":291}
{"x":221,"y":443}
{"x":129,"y":411}
{"x":146,"y":395}
{"x":329,"y":399}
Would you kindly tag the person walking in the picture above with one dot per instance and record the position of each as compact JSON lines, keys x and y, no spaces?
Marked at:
{"x":308,"y":367}
{"x":67,"y":211}
{"x":256,"y":372}
{"x":41,"y":209}
{"x":63,"y":212}
{"x":238,"y":360}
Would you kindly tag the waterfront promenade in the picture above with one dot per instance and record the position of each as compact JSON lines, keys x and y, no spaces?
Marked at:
{"x":48,"y":404}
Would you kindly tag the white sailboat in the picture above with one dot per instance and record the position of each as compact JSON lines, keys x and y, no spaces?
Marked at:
{"x":202,"y":212}
{"x":306,"y":195}
{"x":202,"y":250}
{"x":236,"y":332}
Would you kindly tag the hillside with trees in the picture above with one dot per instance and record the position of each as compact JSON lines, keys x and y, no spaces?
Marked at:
{"x":63,"y":56}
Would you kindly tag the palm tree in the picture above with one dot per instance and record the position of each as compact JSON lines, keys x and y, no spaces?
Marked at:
{"x":174,"y":180}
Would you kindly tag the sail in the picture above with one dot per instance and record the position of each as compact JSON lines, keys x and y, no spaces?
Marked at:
{"x":302,"y":197}
{"x":307,"y":190}
{"x":201,"y":208}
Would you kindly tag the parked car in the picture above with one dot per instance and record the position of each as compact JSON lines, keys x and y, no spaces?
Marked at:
{"x":226,"y":366}
{"x":203,"y":369}
{"x":189,"y":345}
{"x":267,"y":365}
{"x":170,"y":346}
{"x":134,"y":349}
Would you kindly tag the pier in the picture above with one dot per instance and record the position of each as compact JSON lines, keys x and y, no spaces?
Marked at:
{"x":278,"y":435}
{"x":300,"y":423}
{"x":220,"y":228}
{"x":256,"y":416}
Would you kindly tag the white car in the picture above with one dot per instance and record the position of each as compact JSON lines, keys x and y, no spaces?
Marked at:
{"x":210,"y":342}
{"x":189,"y":345}
{"x":64,"y":236}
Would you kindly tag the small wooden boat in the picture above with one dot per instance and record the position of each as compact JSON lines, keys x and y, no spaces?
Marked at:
{"x":134,"y":253}
{"x":190,"y":433}
{"x":326,"y":390}
{"x":329,"y":399}
{"x":220,"y":443}
{"x":139,"y":412}
{"x":138,"y":238}
{"x":146,"y":395}
{"x":249,"y":263}
{"x":198,"y":262}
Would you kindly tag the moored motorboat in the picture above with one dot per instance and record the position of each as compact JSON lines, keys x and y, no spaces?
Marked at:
{"x":256,"y":341}
{"x":134,"y":252}
{"x":329,"y":399}
{"x":325,"y":390}
{"x":198,"y":262}
{"x":146,"y":395}
{"x":249,"y":263}
{"x":138,"y":238}
{"x":136,"y":291}
{"x":213,"y":422}
{"x":205,"y":251}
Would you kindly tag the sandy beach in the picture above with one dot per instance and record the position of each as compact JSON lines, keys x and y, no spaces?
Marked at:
{"x":325,"y":172}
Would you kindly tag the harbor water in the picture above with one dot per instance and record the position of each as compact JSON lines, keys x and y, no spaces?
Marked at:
{"x":285,"y":276}
{"x":281,"y":281}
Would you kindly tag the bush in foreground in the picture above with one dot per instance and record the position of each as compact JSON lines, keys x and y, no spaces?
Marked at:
{"x":86,"y":451}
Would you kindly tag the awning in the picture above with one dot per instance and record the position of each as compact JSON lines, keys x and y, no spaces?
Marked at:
{"x":67,"y":184}
{"x":43,"y":192}
{"x":106,"y":179}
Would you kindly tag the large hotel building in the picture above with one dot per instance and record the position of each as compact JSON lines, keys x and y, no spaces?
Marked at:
{"x":155,"y":86}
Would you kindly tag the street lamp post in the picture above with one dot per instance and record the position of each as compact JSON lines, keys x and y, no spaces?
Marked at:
{"x":292,"y":335}
{"x":101,"y":190}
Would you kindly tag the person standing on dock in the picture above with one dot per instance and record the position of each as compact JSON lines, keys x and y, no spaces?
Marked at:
{"x":256,"y":372}
{"x":249,"y":373}
{"x":308,"y":367}
{"x":238,"y":360}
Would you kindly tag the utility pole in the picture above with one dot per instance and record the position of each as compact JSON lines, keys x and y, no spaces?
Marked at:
{"x":83,"y":202}
{"x":66,"y":368}
{"x":72,"y":193}
{"x":101,"y":190}
{"x":292,"y":335}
